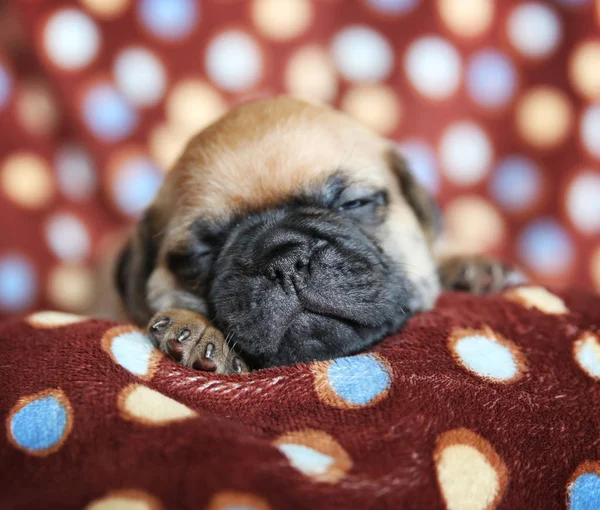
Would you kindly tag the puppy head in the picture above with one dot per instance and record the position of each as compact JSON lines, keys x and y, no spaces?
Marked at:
{"x":299,"y":232}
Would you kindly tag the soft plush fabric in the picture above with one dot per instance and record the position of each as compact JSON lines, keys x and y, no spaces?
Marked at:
{"x":483,"y":403}
{"x":494,"y":104}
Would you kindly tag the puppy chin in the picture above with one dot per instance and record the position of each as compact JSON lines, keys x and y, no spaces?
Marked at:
{"x":297,"y":286}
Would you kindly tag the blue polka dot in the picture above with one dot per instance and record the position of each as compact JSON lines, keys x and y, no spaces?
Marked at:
{"x":135,"y":185}
{"x":546,"y":247}
{"x":107,"y":114}
{"x":573,"y":3}
{"x":18,"y":283}
{"x":491,"y":78}
{"x":169,"y":19}
{"x":516,"y":183}
{"x":358,"y":379}
{"x":393,"y":6}
{"x":5,"y":87}
{"x":584,"y":493}
{"x":40,"y":424}
{"x":422,"y":163}
{"x":486,"y":357}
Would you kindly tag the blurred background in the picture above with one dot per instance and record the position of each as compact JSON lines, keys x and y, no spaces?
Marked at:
{"x":495,"y":104}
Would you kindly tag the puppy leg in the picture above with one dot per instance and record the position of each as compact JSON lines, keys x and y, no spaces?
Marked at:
{"x":477,"y":275}
{"x":189,"y":339}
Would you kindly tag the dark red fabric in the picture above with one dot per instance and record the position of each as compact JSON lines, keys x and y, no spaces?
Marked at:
{"x":542,"y":425}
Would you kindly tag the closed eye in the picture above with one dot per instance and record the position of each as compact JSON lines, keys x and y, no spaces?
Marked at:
{"x":355,"y":204}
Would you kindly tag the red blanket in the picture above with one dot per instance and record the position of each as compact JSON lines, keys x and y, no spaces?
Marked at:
{"x":482,"y":403}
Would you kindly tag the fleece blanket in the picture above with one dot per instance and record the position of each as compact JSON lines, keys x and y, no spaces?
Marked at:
{"x":483,"y":403}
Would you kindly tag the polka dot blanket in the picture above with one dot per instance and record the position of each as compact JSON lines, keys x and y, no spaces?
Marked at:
{"x":483,"y":403}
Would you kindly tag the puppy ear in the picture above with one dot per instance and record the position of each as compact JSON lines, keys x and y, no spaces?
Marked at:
{"x":133,"y":268}
{"x":422,"y":203}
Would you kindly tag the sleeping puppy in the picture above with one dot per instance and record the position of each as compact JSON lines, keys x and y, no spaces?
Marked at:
{"x":287,"y":232}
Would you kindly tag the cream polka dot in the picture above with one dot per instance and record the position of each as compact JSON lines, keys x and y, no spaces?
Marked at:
{"x":26,"y":180}
{"x":143,"y":405}
{"x":376,"y":106}
{"x":282,"y":20}
{"x":125,"y":500}
{"x":595,"y":267}
{"x":362,"y":54}
{"x":433,"y":67}
{"x":71,"y":39}
{"x":467,"y":18}
{"x":237,"y":500}
{"x":539,"y":299}
{"x":67,"y":237}
{"x":466,"y":153}
{"x":590,"y":129}
{"x":584,"y":69}
{"x":473,"y":225}
{"x":315,"y":454}
{"x":106,"y":9}
{"x":583,"y":202}
{"x":36,"y":109}
{"x":534,"y":30}
{"x":132,"y":349}
{"x":75,"y":172}
{"x":470,"y":473}
{"x":544,"y":117}
{"x":140,"y":76}
{"x":192,"y":105}
{"x":234,"y":61}
{"x":166,"y":143}
{"x":487,"y":354}
{"x":587,"y":354}
{"x":71,"y":288}
{"x":50,"y":319}
{"x":310,"y":74}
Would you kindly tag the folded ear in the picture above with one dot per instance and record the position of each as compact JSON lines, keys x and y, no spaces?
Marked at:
{"x":134,"y":266}
{"x":422,"y":203}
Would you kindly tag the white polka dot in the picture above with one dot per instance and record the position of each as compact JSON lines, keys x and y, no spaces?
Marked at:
{"x":234,"y":61}
{"x":537,"y":298}
{"x":140,"y":76}
{"x":71,"y":39}
{"x":587,"y":354}
{"x":106,"y":113}
{"x":18,"y":283}
{"x":583,"y":202}
{"x":486,"y":355}
{"x":131,"y":349}
{"x":26,"y":179}
{"x":534,"y":30}
{"x":140,"y":404}
{"x":590,"y":129}
{"x":584,"y":69}
{"x":516,"y":183}
{"x":71,"y":287}
{"x":171,"y":20}
{"x":491,"y":78}
{"x":67,"y":237}
{"x":134,"y":184}
{"x":75,"y":172}
{"x":306,"y":460}
{"x":376,"y":106}
{"x":422,"y":163}
{"x":362,"y":55}
{"x":466,"y":153}
{"x":433,"y":67}
{"x":546,"y":247}
{"x":393,"y":7}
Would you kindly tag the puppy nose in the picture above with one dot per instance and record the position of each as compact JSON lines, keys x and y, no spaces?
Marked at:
{"x":289,"y":267}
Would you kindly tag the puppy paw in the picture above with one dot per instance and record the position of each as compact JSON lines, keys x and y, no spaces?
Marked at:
{"x":478,"y":275}
{"x":188,"y":338}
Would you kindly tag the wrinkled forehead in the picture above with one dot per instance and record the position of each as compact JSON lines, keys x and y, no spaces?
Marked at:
{"x":233,"y":168}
